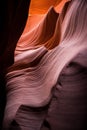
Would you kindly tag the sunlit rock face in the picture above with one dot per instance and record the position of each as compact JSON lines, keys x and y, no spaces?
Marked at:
{"x":41,"y":6}
{"x":38,"y":8}
{"x":40,"y":23}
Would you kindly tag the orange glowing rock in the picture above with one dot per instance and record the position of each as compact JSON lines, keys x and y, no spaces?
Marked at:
{"x":41,"y":6}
